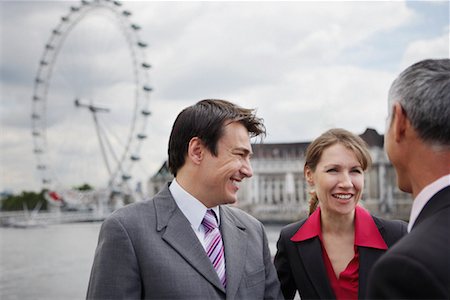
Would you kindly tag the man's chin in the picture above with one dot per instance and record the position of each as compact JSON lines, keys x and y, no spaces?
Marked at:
{"x":231,"y":201}
{"x":403,"y":185}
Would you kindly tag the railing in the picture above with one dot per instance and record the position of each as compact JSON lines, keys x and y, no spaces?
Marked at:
{"x":22,"y":219}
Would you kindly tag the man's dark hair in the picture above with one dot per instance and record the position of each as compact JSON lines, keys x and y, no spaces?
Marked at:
{"x":206,"y":120}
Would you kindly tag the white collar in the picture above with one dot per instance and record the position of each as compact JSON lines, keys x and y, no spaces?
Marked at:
{"x":424,"y":196}
{"x":191,"y":207}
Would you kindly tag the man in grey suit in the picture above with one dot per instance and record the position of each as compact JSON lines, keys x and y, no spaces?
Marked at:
{"x":162,"y":249}
{"x":417,"y":142}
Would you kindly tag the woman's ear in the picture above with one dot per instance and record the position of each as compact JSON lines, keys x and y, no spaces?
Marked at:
{"x":308,"y":175}
{"x":196,"y":150}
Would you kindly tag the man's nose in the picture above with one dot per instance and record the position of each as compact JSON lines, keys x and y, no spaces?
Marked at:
{"x":247,"y":169}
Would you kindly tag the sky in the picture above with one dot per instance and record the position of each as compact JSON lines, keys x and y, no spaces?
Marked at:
{"x":305,"y":66}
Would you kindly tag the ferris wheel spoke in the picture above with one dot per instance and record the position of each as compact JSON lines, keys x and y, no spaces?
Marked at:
{"x":105,"y":136}
{"x":100,"y":141}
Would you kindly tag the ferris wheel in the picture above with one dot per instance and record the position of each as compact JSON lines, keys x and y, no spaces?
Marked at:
{"x":90,"y":102}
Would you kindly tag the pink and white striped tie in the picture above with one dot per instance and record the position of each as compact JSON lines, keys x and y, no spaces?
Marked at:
{"x":214,"y":246}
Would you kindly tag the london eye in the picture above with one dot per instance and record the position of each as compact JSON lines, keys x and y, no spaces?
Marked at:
{"x":90,"y":103}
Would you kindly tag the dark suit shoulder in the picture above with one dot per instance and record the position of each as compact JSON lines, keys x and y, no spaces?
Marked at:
{"x":430,"y":241}
{"x":391,"y":230}
{"x":418,"y":265}
{"x":289,"y":230}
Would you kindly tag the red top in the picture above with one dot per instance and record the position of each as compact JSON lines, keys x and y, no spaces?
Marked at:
{"x":346,"y":286}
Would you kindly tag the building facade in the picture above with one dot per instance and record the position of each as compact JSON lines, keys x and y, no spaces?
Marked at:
{"x":278,"y":191}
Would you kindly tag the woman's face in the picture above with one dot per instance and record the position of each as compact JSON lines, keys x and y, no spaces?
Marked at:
{"x":338,"y":180}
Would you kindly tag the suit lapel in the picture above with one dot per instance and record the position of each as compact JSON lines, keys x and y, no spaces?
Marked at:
{"x":235,"y":242}
{"x":179,"y":235}
{"x":310,"y":253}
{"x":367,"y":258}
{"x":437,"y":202}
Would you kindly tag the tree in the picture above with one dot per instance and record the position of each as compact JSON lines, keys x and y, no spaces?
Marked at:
{"x":84,"y":187}
{"x":26,"y":199}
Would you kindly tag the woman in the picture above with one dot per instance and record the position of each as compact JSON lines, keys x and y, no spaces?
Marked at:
{"x":329,"y":254}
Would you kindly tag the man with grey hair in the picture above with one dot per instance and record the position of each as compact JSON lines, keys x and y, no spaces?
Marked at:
{"x":417,"y":142}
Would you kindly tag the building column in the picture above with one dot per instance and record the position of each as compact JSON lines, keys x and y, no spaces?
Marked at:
{"x":255,"y":190}
{"x":289,"y":188}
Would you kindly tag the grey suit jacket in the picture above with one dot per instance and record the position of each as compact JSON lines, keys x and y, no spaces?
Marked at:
{"x":148,"y":250}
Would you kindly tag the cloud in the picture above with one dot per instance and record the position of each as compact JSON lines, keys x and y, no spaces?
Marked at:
{"x":225,"y":47}
{"x":293,"y":61}
{"x":438,"y":47}
{"x":324,"y":97}
{"x":18,"y":171}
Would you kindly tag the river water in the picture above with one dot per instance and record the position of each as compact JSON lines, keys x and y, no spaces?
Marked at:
{"x":54,"y":262}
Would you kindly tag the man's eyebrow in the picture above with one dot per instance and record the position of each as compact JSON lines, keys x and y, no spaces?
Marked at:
{"x":246,"y":150}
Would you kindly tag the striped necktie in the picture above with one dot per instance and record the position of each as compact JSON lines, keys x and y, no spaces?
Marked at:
{"x":214,"y":246}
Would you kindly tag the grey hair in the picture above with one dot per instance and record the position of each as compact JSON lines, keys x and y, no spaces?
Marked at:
{"x":423,"y":91}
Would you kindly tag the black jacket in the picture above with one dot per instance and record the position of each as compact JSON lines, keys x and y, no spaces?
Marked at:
{"x":418,"y":267}
{"x":300,"y":265}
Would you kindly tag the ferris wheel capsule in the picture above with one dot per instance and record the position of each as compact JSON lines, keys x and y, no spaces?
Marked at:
{"x":147,"y":88}
{"x":146,"y":112}
{"x":135,"y":27}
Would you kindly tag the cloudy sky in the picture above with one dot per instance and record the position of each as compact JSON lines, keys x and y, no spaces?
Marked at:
{"x":305,"y":66}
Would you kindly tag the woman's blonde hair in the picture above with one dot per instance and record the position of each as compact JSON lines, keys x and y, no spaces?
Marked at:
{"x":329,"y":138}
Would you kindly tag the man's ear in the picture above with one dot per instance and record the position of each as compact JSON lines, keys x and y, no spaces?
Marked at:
{"x":400,"y":122}
{"x":196,"y":150}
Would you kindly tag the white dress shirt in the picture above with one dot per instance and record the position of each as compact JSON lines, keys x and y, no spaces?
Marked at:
{"x":424,"y":196}
{"x":192,"y":209}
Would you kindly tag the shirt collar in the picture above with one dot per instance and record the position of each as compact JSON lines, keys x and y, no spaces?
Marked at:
{"x":366,"y":231}
{"x":424,"y":196}
{"x":368,"y":237}
{"x":311,"y":228}
{"x":192,"y":208}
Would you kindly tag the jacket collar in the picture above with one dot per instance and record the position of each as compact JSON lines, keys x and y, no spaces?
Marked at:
{"x":437,"y":202}
{"x":177,"y":232}
{"x":366,"y":231}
